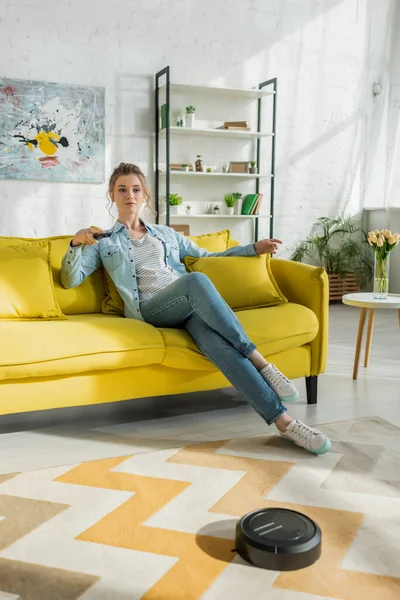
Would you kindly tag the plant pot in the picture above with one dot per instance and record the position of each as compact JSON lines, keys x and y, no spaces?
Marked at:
{"x":253,"y":170}
{"x":190,"y":120}
{"x":186,"y":169}
{"x":338,"y":286}
{"x":188,"y":211}
{"x":215,"y":211}
{"x":230,"y":210}
{"x":238,"y":206}
{"x":174,"y":209}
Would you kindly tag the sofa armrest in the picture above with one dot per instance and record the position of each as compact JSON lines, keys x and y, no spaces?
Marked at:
{"x":309,"y":286}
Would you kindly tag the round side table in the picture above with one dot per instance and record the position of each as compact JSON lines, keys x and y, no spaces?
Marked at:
{"x":366,"y":301}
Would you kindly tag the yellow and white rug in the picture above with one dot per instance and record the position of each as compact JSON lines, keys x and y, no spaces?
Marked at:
{"x":160,"y":525}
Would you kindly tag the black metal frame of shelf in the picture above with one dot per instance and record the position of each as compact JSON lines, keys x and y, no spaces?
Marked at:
{"x":166,"y":73}
{"x":274,"y":83}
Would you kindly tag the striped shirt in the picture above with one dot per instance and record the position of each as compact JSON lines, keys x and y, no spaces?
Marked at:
{"x":152,"y":272}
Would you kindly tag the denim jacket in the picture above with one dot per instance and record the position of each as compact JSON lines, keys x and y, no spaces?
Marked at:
{"x":116,"y":254}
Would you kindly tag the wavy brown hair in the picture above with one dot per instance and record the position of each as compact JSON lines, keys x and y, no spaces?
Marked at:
{"x":128,"y":169}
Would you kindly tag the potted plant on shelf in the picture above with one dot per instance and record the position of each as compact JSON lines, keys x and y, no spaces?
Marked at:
{"x":238,"y":201}
{"x":230,"y":201}
{"x":188,"y":209}
{"x":215,"y":209}
{"x":185,"y":168}
{"x":341,"y":247}
{"x":190,"y":110}
{"x":253,"y":167}
{"x":174,"y":202}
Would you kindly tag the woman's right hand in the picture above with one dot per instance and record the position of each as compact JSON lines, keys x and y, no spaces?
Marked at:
{"x":85,"y":236}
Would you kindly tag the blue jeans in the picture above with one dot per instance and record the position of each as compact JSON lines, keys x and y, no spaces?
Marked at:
{"x":193,"y":303}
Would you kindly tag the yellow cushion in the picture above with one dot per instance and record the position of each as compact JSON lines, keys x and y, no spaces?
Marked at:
{"x":273,"y":330}
{"x":213,"y":242}
{"x":26,"y":284}
{"x":243,"y":281}
{"x":87,"y":297}
{"x":80,"y":344}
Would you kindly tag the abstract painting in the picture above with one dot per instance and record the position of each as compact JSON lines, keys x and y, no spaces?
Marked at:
{"x":51,"y":131}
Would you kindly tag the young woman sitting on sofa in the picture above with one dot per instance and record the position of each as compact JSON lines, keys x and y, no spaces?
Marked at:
{"x":144,"y":262}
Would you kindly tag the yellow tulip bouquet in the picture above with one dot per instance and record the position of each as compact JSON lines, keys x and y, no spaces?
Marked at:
{"x":383,"y":242}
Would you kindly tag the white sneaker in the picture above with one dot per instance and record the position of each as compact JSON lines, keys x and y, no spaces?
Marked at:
{"x":281,"y":385}
{"x":307,"y":437}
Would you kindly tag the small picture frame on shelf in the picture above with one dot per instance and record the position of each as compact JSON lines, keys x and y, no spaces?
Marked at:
{"x":239,"y":167}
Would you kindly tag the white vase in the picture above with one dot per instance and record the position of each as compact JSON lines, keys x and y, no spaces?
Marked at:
{"x":239,"y":204}
{"x":230,"y":210}
{"x":190,"y":120}
{"x":188,"y":212}
{"x":173,"y":210}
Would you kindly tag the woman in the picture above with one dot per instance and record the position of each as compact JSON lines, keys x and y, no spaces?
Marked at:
{"x":143,"y":260}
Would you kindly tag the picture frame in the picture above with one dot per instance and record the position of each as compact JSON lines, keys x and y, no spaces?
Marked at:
{"x":52,"y":131}
{"x":181,"y":228}
{"x":239,"y":167}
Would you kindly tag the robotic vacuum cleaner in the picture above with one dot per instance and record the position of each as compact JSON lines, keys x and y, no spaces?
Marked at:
{"x":278,"y":539}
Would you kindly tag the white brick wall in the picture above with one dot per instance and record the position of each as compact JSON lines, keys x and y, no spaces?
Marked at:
{"x":322,"y":52}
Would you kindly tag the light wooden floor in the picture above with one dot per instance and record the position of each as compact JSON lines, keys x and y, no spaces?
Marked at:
{"x":74,"y":435}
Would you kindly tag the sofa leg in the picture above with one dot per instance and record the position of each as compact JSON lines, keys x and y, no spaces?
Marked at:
{"x":312,"y":389}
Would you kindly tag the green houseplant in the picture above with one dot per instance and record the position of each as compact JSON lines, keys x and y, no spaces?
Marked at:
{"x":253,"y":167}
{"x":190,"y":110}
{"x":230,"y":201}
{"x":174,"y":201}
{"x":341,"y":247}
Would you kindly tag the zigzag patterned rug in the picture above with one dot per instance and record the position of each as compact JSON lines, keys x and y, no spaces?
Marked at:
{"x":160,"y":526}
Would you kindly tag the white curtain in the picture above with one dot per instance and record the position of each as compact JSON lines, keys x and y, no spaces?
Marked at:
{"x":392,"y":203}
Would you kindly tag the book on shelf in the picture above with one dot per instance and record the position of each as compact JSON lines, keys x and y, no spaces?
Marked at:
{"x":236,"y":124}
{"x":179,"y":167}
{"x":231,"y":128}
{"x":248,"y":203}
{"x":163,"y":116}
{"x":251,"y":204}
{"x":256,"y":208}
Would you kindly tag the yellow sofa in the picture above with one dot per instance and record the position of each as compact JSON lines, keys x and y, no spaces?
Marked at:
{"x":92,"y":358}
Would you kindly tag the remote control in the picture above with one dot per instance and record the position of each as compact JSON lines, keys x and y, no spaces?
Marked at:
{"x":100,"y":236}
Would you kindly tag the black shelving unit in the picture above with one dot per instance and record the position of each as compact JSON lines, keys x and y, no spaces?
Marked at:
{"x":162,"y":79}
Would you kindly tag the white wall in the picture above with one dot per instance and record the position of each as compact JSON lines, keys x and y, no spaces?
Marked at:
{"x":325,"y":54}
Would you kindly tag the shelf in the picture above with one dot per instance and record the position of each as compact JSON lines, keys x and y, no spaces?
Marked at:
{"x":221,"y":91}
{"x":216,"y":132}
{"x":207,"y":216}
{"x":198,"y":174}
{"x":215,"y":98}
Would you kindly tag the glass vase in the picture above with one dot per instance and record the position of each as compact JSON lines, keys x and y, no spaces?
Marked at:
{"x":381,"y":277}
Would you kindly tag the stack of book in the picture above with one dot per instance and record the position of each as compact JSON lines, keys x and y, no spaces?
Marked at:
{"x":180,"y":167}
{"x":251,"y":204}
{"x":236,"y":126}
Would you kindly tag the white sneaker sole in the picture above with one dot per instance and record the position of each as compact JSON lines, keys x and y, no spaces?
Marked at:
{"x":321,"y":450}
{"x":291,"y":398}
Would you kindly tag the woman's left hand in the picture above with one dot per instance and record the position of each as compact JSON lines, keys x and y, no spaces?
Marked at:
{"x":266,"y":246}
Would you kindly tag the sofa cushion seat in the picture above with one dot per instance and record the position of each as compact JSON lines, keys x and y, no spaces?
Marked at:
{"x":82,"y":343}
{"x":273,"y":329}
